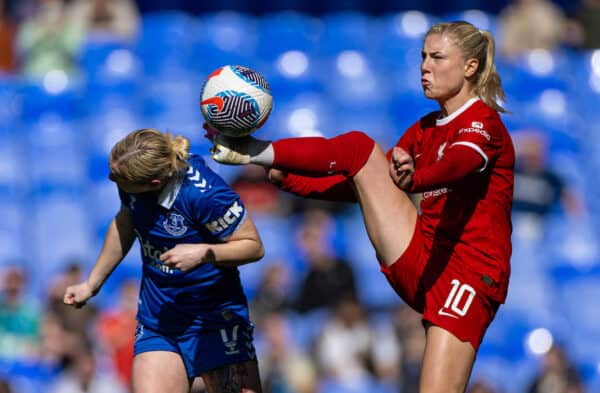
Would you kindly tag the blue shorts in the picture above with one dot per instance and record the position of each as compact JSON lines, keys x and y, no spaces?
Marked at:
{"x":201,"y":351}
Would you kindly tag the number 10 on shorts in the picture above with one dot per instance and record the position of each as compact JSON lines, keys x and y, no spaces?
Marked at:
{"x":460,"y":298}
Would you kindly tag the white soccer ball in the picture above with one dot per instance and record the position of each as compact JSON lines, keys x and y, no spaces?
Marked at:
{"x":236,"y":100}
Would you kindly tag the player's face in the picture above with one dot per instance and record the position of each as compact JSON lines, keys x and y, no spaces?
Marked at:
{"x":442,"y":68}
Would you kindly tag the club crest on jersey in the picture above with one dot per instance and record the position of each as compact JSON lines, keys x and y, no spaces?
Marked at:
{"x":440,"y":152}
{"x":174,"y":224}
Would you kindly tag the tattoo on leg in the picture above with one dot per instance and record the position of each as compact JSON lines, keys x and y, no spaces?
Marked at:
{"x":233,"y":378}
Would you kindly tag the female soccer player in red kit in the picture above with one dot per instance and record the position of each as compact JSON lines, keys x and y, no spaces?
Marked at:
{"x":451,"y":262}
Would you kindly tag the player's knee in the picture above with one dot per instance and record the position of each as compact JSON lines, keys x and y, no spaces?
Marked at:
{"x":357,"y":147}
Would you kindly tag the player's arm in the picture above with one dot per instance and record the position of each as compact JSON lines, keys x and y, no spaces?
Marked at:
{"x":470,"y":153}
{"x":457,"y":163}
{"x":241,"y":247}
{"x":117,"y":243}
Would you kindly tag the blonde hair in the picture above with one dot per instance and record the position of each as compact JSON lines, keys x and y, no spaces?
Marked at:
{"x":476,"y":44}
{"x":148,"y":154}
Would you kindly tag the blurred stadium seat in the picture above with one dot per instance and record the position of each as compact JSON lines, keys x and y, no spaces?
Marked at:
{"x":165,"y":42}
{"x":227,"y":38}
{"x":349,"y":31}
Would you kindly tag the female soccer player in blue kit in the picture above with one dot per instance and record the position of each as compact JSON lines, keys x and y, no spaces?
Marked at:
{"x":193,"y":232}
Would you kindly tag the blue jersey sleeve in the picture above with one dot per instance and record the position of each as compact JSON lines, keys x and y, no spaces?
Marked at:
{"x":213,"y":204}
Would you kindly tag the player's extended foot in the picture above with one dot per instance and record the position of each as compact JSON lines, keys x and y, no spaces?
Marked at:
{"x":236,"y":151}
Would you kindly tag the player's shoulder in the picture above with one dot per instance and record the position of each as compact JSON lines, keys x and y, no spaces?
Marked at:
{"x":481,"y":115}
{"x":426,"y":121}
{"x":485,"y":112}
{"x":194,"y":160}
{"x":200,"y":180}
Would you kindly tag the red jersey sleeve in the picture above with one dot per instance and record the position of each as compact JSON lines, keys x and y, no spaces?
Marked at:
{"x":483,"y":135}
{"x":471,"y":148}
{"x":457,"y":162}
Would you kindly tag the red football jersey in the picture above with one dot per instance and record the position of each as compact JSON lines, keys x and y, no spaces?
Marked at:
{"x":471,"y":216}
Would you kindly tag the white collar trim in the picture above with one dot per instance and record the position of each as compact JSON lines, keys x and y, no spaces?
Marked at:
{"x":167,"y":196}
{"x":445,"y":120}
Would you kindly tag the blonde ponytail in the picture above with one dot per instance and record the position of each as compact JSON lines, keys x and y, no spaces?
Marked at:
{"x":148,"y":154}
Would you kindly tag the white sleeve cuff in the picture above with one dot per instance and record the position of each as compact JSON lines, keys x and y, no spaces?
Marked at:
{"x":478,"y":150}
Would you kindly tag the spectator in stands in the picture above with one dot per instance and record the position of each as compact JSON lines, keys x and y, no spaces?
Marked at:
{"x":345,"y":348}
{"x":76,"y":321}
{"x":584,"y":27}
{"x":538,"y":189}
{"x":558,"y":374}
{"x":5,"y":386}
{"x":285,"y":367}
{"x":82,"y":374}
{"x":258,"y":193}
{"x":272,"y":293}
{"x":329,"y":278}
{"x":48,"y":40}
{"x":530,"y":24}
{"x":107,"y":19}
{"x":7,"y":36}
{"x":19,"y":318}
{"x":117,"y":327}
{"x":412,"y":343}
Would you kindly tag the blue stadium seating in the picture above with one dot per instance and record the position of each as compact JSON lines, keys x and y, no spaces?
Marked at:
{"x":227,"y":38}
{"x":480,"y":19}
{"x":348,"y":31}
{"x":402,"y":40}
{"x":165,"y":42}
{"x":285,"y":31}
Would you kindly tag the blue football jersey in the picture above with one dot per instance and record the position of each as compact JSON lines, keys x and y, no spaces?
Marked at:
{"x":194,"y":207}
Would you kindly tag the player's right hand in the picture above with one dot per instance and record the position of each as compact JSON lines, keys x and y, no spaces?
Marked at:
{"x":276,"y":176}
{"x":78,"y":295}
{"x":402,"y":167}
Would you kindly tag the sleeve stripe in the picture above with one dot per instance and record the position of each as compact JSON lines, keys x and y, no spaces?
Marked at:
{"x":478,"y":150}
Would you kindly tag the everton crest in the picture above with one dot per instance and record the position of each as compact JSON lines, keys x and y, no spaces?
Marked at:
{"x":174,"y":224}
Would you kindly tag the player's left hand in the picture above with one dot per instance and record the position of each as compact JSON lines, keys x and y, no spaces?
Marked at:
{"x":186,"y":257}
{"x":402,"y":167}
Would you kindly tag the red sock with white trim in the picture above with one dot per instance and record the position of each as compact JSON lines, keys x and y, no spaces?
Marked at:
{"x":344,"y":154}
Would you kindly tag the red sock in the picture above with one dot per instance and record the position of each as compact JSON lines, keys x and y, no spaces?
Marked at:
{"x":344,"y":154}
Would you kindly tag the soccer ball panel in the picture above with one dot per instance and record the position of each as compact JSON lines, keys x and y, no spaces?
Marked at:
{"x":236,"y":100}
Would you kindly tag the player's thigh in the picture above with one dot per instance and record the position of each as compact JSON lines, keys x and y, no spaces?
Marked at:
{"x":159,"y":372}
{"x":239,"y":377}
{"x":447,"y":362}
{"x":388,"y":212}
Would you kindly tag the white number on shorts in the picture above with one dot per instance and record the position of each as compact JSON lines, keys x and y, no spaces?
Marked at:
{"x":456,"y":296}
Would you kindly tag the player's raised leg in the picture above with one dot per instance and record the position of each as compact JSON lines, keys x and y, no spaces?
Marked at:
{"x":388,"y":213}
{"x":159,"y":372}
{"x":234,"y":378}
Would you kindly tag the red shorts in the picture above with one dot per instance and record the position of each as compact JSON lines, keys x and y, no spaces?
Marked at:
{"x":437,"y":286}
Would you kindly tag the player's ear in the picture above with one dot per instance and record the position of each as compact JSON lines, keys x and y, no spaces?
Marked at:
{"x":471,"y":66}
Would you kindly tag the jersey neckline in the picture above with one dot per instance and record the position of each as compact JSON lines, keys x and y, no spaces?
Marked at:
{"x":445,"y":120}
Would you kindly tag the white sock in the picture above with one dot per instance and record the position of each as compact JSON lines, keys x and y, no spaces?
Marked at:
{"x":261,"y":153}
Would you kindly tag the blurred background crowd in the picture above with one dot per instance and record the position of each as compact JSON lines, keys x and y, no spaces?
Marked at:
{"x":77,"y":75}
